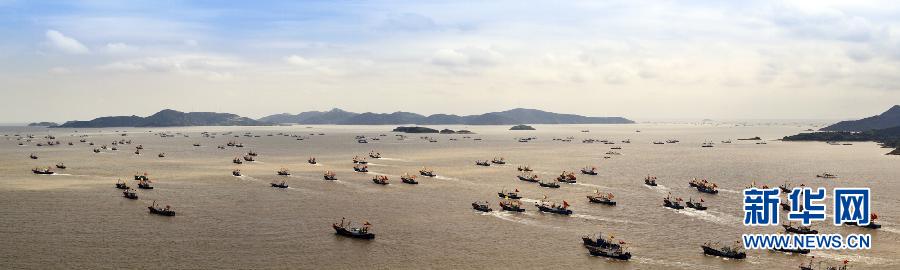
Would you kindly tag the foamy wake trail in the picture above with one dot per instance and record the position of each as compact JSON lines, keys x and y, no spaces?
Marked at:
{"x":590,"y":217}
{"x":853,"y":258}
{"x":395,"y":159}
{"x":729,"y":191}
{"x":445,"y":178}
{"x":670,"y":263}
{"x":62,"y":174}
{"x":529,"y":200}
{"x":376,"y":164}
{"x":704,"y":215}
{"x":890,"y":229}
{"x":508,"y":216}
{"x":592,"y":186}
{"x":659,"y":188}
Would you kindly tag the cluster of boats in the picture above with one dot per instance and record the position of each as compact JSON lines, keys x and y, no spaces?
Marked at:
{"x":605,"y":247}
{"x":704,"y":186}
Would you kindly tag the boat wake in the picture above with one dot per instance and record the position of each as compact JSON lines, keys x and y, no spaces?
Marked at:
{"x":394,"y":159}
{"x":445,"y":178}
{"x":590,"y":217}
{"x":380,"y":165}
{"x":529,"y":200}
{"x":729,"y":191}
{"x":593,"y":186}
{"x":718,"y":218}
{"x":508,"y":216}
{"x":659,"y":188}
{"x":65,"y":174}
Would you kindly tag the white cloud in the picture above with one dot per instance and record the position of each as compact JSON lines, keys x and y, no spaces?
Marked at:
{"x":64,"y":43}
{"x":298,"y":61}
{"x":211,"y":67}
{"x":119,"y":47}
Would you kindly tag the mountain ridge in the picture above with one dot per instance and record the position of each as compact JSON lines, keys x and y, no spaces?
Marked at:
{"x":509,"y":117}
{"x":167,"y":118}
{"x":887,"y":119}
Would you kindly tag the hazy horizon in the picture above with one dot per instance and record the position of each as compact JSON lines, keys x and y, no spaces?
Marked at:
{"x":810,"y":60}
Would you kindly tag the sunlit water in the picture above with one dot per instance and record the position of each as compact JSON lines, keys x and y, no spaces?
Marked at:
{"x":79,"y":220}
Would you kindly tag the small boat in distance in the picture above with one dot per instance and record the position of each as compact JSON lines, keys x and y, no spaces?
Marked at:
{"x":800,"y":229}
{"x":236,"y":172}
{"x":249,"y":158}
{"x":792,"y":250}
{"x":589,"y":170}
{"x":42,"y":171}
{"x":674,"y":204}
{"x":33,"y":156}
{"x":704,"y":186}
{"x":60,"y":166}
{"x":650,"y":181}
{"x":380,"y":179}
{"x":551,"y":207}
{"x":408,"y":179}
{"x":283,"y":172}
{"x":602,"y":198}
{"x":311,"y":160}
{"x":826,"y":175}
{"x":511,"y":205}
{"x":129,"y":193}
{"x":121,"y":184}
{"x":237,"y":161}
{"x":162,"y":155}
{"x":144,"y":184}
{"x":696,"y":205}
{"x":871,"y":225}
{"x":283,"y":184}
{"x":524,"y":168}
{"x":329,"y":175}
{"x":509,"y":195}
{"x":606,"y":248}
{"x":361,"y":168}
{"x":715,"y":249}
{"x":548,"y":184}
{"x":373,"y":154}
{"x":566,"y":177}
{"x":353,"y":232}
{"x":529,"y":177}
{"x":427,"y":172}
{"x":482,"y":163}
{"x":167,"y":211}
{"x":482,"y":206}
{"x":499,"y":161}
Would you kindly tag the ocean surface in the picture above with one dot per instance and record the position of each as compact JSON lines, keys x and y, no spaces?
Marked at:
{"x":77,"y":219}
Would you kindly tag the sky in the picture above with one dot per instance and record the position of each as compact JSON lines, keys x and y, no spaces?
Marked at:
{"x":77,"y":60}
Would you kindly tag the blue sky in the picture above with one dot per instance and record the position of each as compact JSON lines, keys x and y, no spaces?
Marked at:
{"x":69,"y":60}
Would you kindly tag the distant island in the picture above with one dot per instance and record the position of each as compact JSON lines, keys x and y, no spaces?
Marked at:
{"x":43,"y":124}
{"x":167,"y":118}
{"x":415,"y":130}
{"x":509,"y":117}
{"x":859,"y":130}
{"x":522,"y":127}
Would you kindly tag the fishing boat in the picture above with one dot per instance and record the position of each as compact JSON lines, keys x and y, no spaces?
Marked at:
{"x":380,"y":179}
{"x":60,"y":166}
{"x":33,"y":156}
{"x":482,"y":163}
{"x":329,"y":175}
{"x":196,"y":145}
{"x":42,"y":171}
{"x":237,"y":161}
{"x":566,"y":177}
{"x":529,"y":177}
{"x":509,"y":195}
{"x":589,"y":170}
{"x":283,"y":172}
{"x":121,"y":184}
{"x":167,"y":211}
{"x":312,"y":160}
{"x":605,"y":247}
{"x":696,"y":205}
{"x":715,"y":249}
{"x":602,"y":198}
{"x":674,"y":204}
{"x":361,"y":168}
{"x":548,"y":184}
{"x":129,"y":193}
{"x":650,"y":181}
{"x":704,"y":186}
{"x":511,"y":205}
{"x":96,"y":150}
{"x":373,"y":154}
{"x":786,"y":188}
{"x":499,"y":161}
{"x":810,"y":266}
{"x":251,"y":153}
{"x":482,"y":206}
{"x":408,"y":179}
{"x":524,"y":168}
{"x":707,"y":145}
{"x":283,"y":184}
{"x":249,"y":158}
{"x":826,"y":175}
{"x":236,"y":172}
{"x":353,"y":232}
{"x":162,"y":155}
{"x":144,"y":184}
{"x":562,"y":209}
{"x":427,"y":172}
{"x":871,"y":225}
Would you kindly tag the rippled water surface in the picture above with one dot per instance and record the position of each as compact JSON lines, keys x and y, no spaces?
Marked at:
{"x":77,"y":219}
